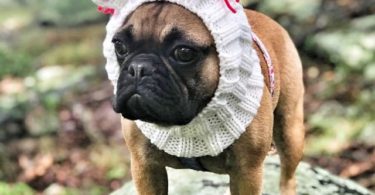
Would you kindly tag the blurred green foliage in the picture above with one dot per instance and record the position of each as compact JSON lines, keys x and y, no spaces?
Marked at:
{"x":299,"y":10}
{"x":349,"y":109}
{"x":13,"y":189}
{"x":50,"y":52}
{"x":336,"y":40}
{"x":65,"y":13}
{"x":60,"y":190}
{"x":14,"y":64}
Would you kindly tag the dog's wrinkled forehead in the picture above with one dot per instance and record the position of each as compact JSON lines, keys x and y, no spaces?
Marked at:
{"x":162,"y":20}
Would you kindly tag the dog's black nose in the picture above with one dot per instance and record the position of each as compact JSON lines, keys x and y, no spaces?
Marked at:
{"x":137,"y":70}
{"x":142,"y":66}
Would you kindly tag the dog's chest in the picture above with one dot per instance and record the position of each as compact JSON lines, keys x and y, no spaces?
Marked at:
{"x":218,"y":164}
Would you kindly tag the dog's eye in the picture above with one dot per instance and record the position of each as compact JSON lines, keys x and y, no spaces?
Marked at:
{"x":120,"y":48}
{"x":184,"y":54}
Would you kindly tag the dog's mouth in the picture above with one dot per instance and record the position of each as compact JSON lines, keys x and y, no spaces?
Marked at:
{"x":152,"y":107}
{"x":139,"y":108}
{"x":133,"y":106}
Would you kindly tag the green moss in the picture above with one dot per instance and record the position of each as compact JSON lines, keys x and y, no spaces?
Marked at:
{"x":15,"y":14}
{"x":12,"y":189}
{"x":14,"y":64}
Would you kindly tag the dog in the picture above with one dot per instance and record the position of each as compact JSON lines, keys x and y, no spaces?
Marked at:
{"x":168,"y":84}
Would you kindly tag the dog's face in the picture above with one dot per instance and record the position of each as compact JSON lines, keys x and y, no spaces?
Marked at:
{"x":169,"y":65}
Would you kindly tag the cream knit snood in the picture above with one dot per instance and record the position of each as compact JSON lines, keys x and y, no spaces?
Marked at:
{"x":237,"y":98}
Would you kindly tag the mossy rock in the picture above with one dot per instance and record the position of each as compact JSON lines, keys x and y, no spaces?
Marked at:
{"x":311,"y":181}
{"x":352,"y":45}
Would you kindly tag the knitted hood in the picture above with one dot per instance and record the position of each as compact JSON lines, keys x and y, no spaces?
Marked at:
{"x":240,"y":89}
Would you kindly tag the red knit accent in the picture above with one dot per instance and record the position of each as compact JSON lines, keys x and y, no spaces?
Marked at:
{"x":106,"y":10}
{"x":230,"y":6}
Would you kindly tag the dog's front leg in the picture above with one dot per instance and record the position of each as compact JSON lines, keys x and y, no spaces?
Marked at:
{"x":246,"y":180}
{"x":247,"y":154}
{"x":149,"y":174}
{"x":247,"y":169}
{"x":149,"y":178}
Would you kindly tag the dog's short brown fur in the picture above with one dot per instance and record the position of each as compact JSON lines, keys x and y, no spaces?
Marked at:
{"x":279,"y":118}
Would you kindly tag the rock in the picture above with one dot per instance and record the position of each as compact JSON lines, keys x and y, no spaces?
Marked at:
{"x":311,"y":180}
{"x":35,"y":107}
{"x":54,"y":189}
{"x":40,"y":121}
{"x":352,"y":45}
